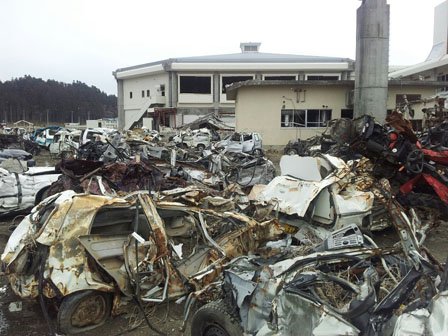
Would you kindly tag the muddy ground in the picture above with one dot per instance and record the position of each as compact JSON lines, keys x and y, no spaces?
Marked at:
{"x":19,"y":317}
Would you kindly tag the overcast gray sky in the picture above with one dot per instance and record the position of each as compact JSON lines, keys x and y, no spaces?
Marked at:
{"x":86,"y":40}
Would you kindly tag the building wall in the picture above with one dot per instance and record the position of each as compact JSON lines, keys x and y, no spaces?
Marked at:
{"x":136,"y":85}
{"x":258,"y":109}
{"x":133,"y":107}
{"x":423,"y":91}
{"x":440,"y":33}
{"x":191,"y":106}
{"x":102,"y":123}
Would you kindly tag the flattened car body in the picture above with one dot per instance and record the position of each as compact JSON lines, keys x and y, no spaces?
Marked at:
{"x":70,"y":241}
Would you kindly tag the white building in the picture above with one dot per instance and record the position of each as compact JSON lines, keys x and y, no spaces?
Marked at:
{"x":435,"y":67}
{"x":285,"y":110}
{"x":111,"y":123}
{"x":176,"y":91}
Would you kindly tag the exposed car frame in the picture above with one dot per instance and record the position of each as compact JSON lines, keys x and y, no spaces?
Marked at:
{"x":80,"y":250}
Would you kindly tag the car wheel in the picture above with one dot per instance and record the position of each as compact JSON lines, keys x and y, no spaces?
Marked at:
{"x":41,"y":195}
{"x":201,"y":147}
{"x":215,"y":319}
{"x":84,"y":310}
{"x":257,"y":152}
{"x":291,"y":151}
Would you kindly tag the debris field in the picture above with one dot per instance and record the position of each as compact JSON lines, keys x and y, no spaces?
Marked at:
{"x":197,"y":231}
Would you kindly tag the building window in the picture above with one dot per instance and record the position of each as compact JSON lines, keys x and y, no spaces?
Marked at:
{"x":443,"y":78}
{"x":347,"y":113}
{"x":227,"y":80}
{"x":130,"y":95}
{"x":193,"y":84}
{"x":162,"y":90}
{"x":305,"y":118}
{"x":322,"y":77}
{"x":143,"y":93}
{"x":280,"y":77}
{"x":148,"y":93}
{"x":293,"y":118}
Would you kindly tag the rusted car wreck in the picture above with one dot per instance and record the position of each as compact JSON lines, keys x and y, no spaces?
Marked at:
{"x":89,"y":253}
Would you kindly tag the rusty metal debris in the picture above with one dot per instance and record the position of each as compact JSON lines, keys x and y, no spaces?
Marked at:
{"x":123,"y":247}
{"x":345,"y":285}
{"x":154,"y":216}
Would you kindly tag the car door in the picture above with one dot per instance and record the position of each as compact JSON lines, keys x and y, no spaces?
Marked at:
{"x":119,"y":236}
{"x":248,"y":142}
{"x":235,"y":144}
{"x":257,"y":141}
{"x":135,"y":255}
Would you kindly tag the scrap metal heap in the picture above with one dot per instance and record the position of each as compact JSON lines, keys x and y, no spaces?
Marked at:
{"x":143,"y":218}
{"x":342,"y":285}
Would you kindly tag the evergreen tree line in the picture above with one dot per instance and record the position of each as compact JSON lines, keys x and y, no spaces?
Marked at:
{"x":52,"y":102}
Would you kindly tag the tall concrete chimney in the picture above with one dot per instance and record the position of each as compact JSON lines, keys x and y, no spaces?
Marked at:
{"x":372,"y":59}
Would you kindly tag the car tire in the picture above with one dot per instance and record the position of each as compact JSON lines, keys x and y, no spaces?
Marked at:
{"x":291,"y":151}
{"x":257,"y":152}
{"x":215,"y":319}
{"x":201,"y":147}
{"x":41,"y":195}
{"x":83,"y":311}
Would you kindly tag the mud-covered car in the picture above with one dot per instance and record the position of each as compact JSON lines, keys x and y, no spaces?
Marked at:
{"x":85,"y":254}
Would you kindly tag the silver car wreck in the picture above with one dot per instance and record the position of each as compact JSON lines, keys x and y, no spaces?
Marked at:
{"x":87,"y":253}
{"x":344,"y":285}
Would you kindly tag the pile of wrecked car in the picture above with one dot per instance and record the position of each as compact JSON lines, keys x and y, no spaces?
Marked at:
{"x":144,"y":217}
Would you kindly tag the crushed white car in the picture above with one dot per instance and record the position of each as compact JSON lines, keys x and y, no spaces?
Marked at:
{"x":242,"y":143}
{"x":21,"y":191}
{"x":199,"y":139}
{"x":316,"y":190}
